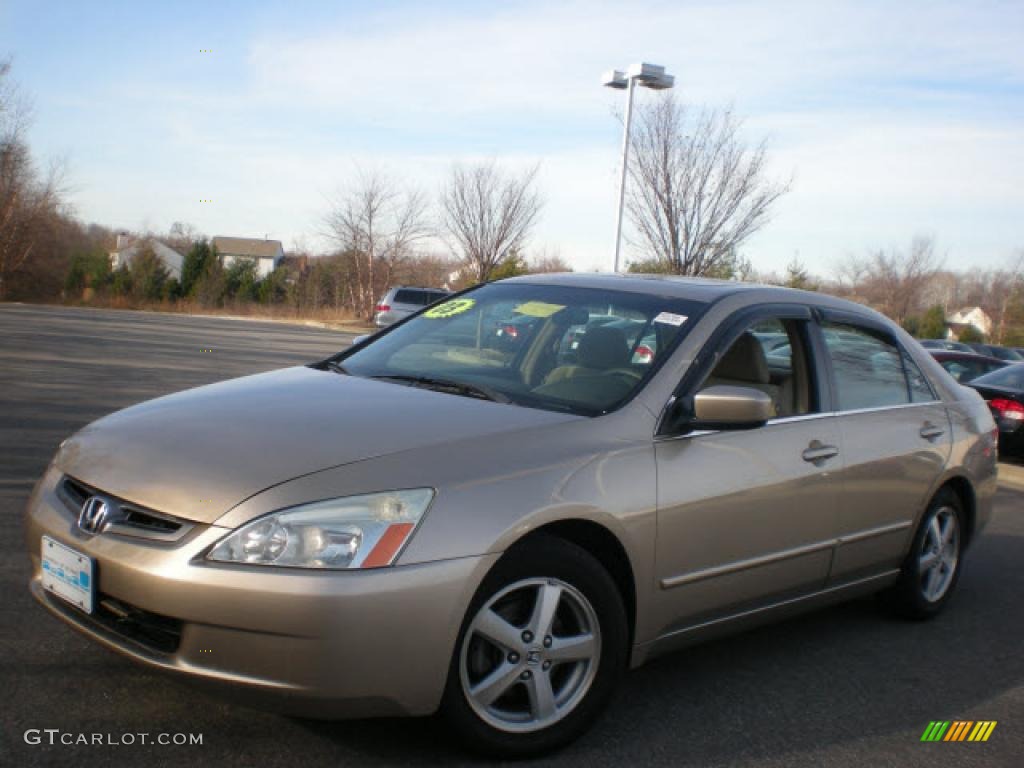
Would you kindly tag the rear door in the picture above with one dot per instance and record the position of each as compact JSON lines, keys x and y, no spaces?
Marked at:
{"x":746,"y":517}
{"x":895,"y":437}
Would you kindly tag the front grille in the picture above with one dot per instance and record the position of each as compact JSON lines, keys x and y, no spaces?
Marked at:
{"x":127,"y":519}
{"x":75,"y":492}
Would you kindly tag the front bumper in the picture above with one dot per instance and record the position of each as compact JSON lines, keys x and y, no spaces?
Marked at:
{"x":317,"y":644}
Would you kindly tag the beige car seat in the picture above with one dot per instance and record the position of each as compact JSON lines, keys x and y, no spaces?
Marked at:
{"x":745,"y":365}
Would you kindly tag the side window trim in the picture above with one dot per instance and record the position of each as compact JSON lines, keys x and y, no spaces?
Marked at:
{"x":821,"y":362}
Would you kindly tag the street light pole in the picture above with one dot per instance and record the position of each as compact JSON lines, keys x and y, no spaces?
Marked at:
{"x":649,"y":76}
{"x":625,"y":167}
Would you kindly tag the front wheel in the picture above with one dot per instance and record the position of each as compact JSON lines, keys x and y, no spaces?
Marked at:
{"x":932,"y":569}
{"x":543,"y":644}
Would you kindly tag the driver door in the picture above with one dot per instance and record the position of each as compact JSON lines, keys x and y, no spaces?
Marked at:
{"x":748,"y":517}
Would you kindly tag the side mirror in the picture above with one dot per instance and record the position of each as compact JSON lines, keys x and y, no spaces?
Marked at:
{"x":360,"y":339}
{"x":726,"y":407}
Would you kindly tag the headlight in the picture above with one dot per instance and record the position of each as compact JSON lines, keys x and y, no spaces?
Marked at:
{"x":352,"y":532}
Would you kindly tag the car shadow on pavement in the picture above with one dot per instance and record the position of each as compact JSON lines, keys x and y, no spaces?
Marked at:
{"x":833,"y":677}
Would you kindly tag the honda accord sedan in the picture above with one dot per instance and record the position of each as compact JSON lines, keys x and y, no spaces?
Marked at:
{"x":429,"y":521}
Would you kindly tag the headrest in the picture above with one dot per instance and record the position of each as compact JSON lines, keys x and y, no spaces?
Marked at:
{"x":745,"y":361}
{"x":603,"y":347}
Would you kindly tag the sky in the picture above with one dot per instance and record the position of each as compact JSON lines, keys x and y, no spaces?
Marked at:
{"x":891,"y":118}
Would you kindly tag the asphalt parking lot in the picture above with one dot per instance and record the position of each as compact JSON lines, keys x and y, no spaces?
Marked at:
{"x":840,"y":687}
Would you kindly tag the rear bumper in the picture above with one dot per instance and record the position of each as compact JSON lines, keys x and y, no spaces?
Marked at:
{"x":318,"y":644}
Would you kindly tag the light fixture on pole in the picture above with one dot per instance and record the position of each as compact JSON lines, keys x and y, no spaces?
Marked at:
{"x":649,"y":76}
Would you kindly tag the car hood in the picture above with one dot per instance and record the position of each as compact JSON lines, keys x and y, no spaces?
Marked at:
{"x":198,"y":453}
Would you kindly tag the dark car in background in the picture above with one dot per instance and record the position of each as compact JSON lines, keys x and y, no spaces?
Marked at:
{"x":951,"y":346}
{"x":1003,"y":390}
{"x":967,"y":366}
{"x":401,"y":301}
{"x":992,"y":350}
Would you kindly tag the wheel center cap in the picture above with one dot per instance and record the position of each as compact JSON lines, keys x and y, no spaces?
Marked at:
{"x":533,"y":657}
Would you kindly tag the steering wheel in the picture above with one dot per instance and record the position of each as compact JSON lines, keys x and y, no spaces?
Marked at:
{"x":627,"y":373}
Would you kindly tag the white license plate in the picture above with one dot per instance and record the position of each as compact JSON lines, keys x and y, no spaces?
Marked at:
{"x":68,"y":574}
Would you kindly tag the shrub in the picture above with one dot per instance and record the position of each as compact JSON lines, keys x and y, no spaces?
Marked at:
{"x":971,"y":335}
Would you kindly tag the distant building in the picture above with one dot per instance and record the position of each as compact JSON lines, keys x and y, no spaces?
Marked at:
{"x":266,"y":254}
{"x":973,"y":316}
{"x":129,"y":246}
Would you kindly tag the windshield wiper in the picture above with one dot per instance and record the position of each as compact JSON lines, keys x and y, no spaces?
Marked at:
{"x":448,"y":385}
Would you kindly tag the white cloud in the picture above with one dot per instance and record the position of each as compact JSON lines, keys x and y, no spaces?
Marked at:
{"x":894,"y":117}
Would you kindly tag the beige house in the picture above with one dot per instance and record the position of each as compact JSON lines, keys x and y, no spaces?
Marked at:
{"x":973,"y":316}
{"x":266,"y":254}
{"x":129,"y":246}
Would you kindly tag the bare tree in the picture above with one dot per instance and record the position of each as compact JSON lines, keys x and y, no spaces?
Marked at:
{"x":548,"y":260}
{"x":488,"y":214}
{"x":29,"y":203}
{"x":182,"y":235}
{"x":999,"y":292}
{"x":377,"y":224}
{"x":697,"y":191}
{"x":893,"y":281}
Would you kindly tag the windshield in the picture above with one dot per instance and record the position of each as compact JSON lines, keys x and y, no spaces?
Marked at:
{"x":581,"y":350}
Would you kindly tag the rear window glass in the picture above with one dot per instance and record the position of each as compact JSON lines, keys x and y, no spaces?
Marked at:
{"x":406,"y":296}
{"x":920,"y":389}
{"x":868,"y":368}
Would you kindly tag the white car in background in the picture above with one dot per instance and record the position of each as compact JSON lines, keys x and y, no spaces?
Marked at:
{"x":401,"y":301}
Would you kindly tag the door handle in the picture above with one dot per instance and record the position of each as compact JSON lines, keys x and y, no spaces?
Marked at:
{"x":930,"y":431}
{"x":818,"y":451}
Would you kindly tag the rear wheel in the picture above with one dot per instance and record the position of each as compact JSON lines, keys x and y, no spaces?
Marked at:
{"x":542,"y":646}
{"x":932,"y":569}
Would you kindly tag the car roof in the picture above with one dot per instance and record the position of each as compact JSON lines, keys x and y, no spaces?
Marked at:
{"x":700,"y":289}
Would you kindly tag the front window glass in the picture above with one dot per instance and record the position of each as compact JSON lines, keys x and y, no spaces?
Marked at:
{"x":564,"y":348}
{"x":763,"y":358}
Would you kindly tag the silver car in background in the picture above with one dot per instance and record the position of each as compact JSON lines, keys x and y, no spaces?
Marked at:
{"x":436,"y":519}
{"x":401,"y":301}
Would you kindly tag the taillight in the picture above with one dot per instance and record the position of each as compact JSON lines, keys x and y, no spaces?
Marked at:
{"x":644,"y":354}
{"x":383,"y":308}
{"x":511,"y":330}
{"x":1007,"y":409}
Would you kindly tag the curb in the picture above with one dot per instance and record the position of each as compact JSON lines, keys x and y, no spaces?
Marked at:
{"x":1011,"y":476}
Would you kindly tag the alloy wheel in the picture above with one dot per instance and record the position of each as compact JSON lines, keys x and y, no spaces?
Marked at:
{"x":530,"y":655}
{"x":940,"y":552}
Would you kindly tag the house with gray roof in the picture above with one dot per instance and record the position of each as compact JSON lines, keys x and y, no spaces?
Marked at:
{"x":266,"y":254}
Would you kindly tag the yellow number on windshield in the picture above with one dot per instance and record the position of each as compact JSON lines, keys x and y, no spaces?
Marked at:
{"x":450,"y":308}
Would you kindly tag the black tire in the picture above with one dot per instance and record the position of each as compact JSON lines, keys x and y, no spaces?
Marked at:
{"x":543,"y":557}
{"x":908,"y":596}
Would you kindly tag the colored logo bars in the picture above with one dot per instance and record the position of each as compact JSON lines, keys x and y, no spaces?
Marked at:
{"x":959,"y":730}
